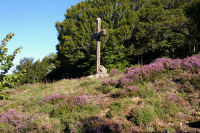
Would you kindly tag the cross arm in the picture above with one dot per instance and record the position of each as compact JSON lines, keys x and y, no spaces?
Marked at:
{"x":94,"y":36}
{"x":102,"y":33}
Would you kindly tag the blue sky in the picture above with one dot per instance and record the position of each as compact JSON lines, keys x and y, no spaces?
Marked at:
{"x":33,"y":22}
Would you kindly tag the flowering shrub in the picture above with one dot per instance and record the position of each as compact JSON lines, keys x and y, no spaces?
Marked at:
{"x":148,"y":72}
{"x":176,"y":99}
{"x":139,"y":74}
{"x":53,"y":98}
{"x":126,"y":81}
{"x":114,"y":72}
{"x":132,"y":88}
{"x":72,"y":110}
{"x":110,"y":82}
{"x":169,"y":63}
{"x":191,"y":63}
{"x":18,"y":122}
{"x":152,"y":68}
{"x":3,"y":103}
{"x":100,"y":125}
{"x":73,"y":100}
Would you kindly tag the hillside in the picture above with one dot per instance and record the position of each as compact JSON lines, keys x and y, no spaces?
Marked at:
{"x":163,"y":96}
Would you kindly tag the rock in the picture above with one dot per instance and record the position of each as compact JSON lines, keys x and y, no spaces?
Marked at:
{"x":102,"y":73}
{"x":94,"y":76}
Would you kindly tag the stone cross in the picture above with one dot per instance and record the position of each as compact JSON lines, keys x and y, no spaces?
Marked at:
{"x":98,"y":45}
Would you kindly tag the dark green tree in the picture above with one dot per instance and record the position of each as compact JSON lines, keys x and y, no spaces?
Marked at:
{"x":36,"y":71}
{"x":192,"y":11}
{"x":137,"y":30}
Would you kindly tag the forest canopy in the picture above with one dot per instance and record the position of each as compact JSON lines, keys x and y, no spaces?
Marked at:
{"x":138,"y":31}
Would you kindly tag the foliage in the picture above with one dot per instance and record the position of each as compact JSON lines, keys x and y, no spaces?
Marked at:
{"x":6,"y":63}
{"x":142,"y":115}
{"x":100,"y":125}
{"x":76,"y":106}
{"x":73,"y":110}
{"x":36,"y":71}
{"x":105,"y":89}
{"x":20,"y":122}
{"x":136,"y":31}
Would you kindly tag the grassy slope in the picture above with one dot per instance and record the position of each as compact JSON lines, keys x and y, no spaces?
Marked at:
{"x":112,"y":111}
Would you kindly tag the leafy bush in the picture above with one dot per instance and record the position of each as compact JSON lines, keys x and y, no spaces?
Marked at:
{"x":142,"y":115}
{"x":165,"y":110}
{"x":114,"y":72}
{"x":72,"y":110}
{"x":53,"y":98}
{"x":115,"y":109}
{"x":105,"y":89}
{"x":13,"y":121}
{"x":6,"y":62}
{"x":36,"y":71}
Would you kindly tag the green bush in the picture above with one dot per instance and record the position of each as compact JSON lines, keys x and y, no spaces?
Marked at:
{"x":145,"y":92}
{"x":115,"y":109}
{"x":143,"y":115}
{"x":105,"y":89}
{"x":6,"y":62}
{"x":164,"y":110}
{"x":70,"y":115}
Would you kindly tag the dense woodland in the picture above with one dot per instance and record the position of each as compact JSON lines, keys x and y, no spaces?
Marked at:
{"x":139,"y":31}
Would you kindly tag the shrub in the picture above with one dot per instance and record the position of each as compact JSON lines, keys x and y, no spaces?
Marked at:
{"x":13,"y":121}
{"x":176,"y":99}
{"x":142,"y":115}
{"x":164,"y":110}
{"x":191,"y":63}
{"x":110,"y":82}
{"x":6,"y":62}
{"x":114,"y":72}
{"x":131,"y":88}
{"x":105,"y":89}
{"x":115,"y":109}
{"x":100,"y":125}
{"x":72,"y":110}
{"x":53,"y":98}
{"x":169,"y":63}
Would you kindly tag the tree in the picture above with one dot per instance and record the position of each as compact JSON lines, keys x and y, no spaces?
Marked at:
{"x":36,"y":71}
{"x":192,"y":11}
{"x":76,"y":50}
{"x":6,"y":62}
{"x":138,"y":31}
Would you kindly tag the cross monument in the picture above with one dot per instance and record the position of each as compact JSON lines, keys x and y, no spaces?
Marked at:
{"x":98,"y":44}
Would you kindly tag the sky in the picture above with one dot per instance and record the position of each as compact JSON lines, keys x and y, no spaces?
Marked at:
{"x":33,"y":22}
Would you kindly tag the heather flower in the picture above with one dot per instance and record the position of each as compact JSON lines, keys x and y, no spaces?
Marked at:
{"x":3,"y":103}
{"x":18,"y":121}
{"x":169,"y":63}
{"x":191,"y":63}
{"x":175,"y":64}
{"x":126,"y":81}
{"x":53,"y":97}
{"x":152,"y":68}
{"x":176,"y":99}
{"x":114,"y":72}
{"x":131,"y":73}
{"x":73,"y":100}
{"x":110,"y":82}
{"x":132,"y":88}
